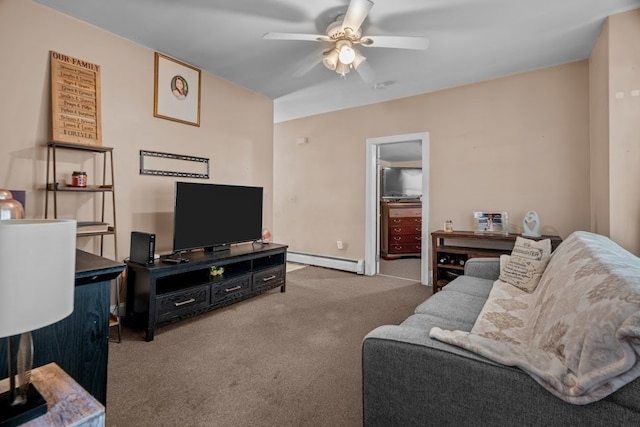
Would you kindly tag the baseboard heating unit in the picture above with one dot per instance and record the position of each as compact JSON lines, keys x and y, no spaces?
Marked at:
{"x":352,"y":265}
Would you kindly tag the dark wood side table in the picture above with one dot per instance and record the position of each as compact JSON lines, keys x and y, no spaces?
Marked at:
{"x":450,"y":250}
{"x":79,"y":343}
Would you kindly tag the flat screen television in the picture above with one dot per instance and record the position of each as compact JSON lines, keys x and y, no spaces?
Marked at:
{"x":401,"y":183}
{"x":213,"y":216}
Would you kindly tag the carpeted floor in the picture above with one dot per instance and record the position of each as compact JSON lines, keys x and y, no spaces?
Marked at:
{"x":285,"y":359}
{"x":407,"y":268}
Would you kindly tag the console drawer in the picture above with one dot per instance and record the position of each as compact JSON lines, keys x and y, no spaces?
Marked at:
{"x":230,"y":290}
{"x":269,"y":278}
{"x":178,"y":303}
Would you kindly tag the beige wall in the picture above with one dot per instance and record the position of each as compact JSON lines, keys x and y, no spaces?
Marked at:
{"x":624,"y":130}
{"x":599,"y":132}
{"x":238,"y":153}
{"x":516,"y":144}
{"x":615,"y":125}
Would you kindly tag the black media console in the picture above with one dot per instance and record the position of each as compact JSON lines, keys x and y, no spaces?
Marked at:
{"x":164,"y":292}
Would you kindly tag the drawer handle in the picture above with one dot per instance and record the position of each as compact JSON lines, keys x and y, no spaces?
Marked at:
{"x":235,"y":288}
{"x":397,"y":229}
{"x":266,"y":279}
{"x":418,"y":238}
{"x":396,"y":220}
{"x":397,"y":238}
{"x":189,"y":301}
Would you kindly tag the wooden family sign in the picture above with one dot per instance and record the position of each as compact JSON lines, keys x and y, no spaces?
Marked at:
{"x":75,"y":101}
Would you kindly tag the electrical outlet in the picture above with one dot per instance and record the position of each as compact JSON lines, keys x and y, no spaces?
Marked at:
{"x":339,"y":242}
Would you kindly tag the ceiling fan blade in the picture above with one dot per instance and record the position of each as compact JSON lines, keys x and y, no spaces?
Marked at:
{"x":308,"y":63}
{"x":295,"y":36}
{"x":356,"y":14}
{"x":365,"y":71}
{"x":399,"y":42}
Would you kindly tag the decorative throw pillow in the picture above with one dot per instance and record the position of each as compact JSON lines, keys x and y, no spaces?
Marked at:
{"x":526,"y":264}
{"x":504,"y":260}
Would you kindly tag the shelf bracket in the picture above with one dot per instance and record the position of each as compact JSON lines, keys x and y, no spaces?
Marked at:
{"x":155,"y":163}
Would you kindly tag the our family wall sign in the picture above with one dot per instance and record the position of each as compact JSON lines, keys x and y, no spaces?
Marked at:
{"x":75,"y":100}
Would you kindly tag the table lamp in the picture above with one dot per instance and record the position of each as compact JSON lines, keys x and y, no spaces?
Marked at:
{"x":37,"y":273}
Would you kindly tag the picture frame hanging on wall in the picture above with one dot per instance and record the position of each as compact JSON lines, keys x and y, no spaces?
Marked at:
{"x":176,"y":94}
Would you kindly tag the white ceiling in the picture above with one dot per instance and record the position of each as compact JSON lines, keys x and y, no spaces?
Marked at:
{"x":401,"y":151}
{"x":469,"y":41}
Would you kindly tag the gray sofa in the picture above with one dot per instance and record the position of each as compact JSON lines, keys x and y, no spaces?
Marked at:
{"x":410,"y":379}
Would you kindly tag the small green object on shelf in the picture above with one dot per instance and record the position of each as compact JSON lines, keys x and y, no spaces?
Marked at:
{"x":216,"y":271}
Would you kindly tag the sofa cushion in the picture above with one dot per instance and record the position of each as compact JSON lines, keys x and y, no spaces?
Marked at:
{"x":453,"y":305}
{"x":470,"y":285}
{"x":415,"y":330}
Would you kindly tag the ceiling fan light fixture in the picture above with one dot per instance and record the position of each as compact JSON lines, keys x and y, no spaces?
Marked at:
{"x":343,"y":69}
{"x":330,"y":59}
{"x":347,"y":54}
{"x":359,"y":59}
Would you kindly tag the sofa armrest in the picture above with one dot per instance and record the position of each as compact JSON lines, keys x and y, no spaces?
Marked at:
{"x":410,"y":380}
{"x":484,"y":268}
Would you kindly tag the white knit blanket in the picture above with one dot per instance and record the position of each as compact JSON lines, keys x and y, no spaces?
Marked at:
{"x":578,"y":333}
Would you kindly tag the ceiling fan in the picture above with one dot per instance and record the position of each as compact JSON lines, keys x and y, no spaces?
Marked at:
{"x":344,"y":34}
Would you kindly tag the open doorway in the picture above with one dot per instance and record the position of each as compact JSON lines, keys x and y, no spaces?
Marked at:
{"x":398,"y":148}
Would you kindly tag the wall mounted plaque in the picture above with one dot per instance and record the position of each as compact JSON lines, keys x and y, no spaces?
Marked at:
{"x":75,"y":100}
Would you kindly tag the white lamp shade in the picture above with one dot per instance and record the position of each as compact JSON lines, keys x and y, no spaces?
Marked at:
{"x":347,"y":55}
{"x":37,"y":273}
{"x":359,"y":59}
{"x":342,"y":69}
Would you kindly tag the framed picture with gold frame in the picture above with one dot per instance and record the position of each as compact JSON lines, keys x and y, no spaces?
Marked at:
{"x":176,"y":94}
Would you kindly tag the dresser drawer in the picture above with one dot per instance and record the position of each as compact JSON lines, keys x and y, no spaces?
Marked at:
{"x":178,"y":303}
{"x":405,"y":239}
{"x":269,"y":278}
{"x":405,"y":220}
{"x":408,"y":248}
{"x":406,"y":229}
{"x":231,"y":290}
{"x":405,"y":212}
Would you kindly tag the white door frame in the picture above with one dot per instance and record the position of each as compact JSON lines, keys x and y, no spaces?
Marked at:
{"x":372,"y":206}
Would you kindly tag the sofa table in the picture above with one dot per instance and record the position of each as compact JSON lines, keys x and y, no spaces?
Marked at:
{"x":68,"y":404}
{"x":451,"y":249}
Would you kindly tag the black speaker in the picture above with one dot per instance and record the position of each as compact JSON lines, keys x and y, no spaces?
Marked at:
{"x":143,"y":247}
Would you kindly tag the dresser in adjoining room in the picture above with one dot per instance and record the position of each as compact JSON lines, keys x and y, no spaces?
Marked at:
{"x":400,"y":229}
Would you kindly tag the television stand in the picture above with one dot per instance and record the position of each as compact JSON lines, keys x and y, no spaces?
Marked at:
{"x":218,"y":248}
{"x":169,"y":260}
{"x":163,"y":293}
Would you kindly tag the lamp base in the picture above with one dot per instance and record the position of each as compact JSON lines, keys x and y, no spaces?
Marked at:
{"x":14,"y":415}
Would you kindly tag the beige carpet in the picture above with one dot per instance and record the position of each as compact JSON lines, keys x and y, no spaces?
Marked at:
{"x":407,"y":268}
{"x":289,"y":359}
